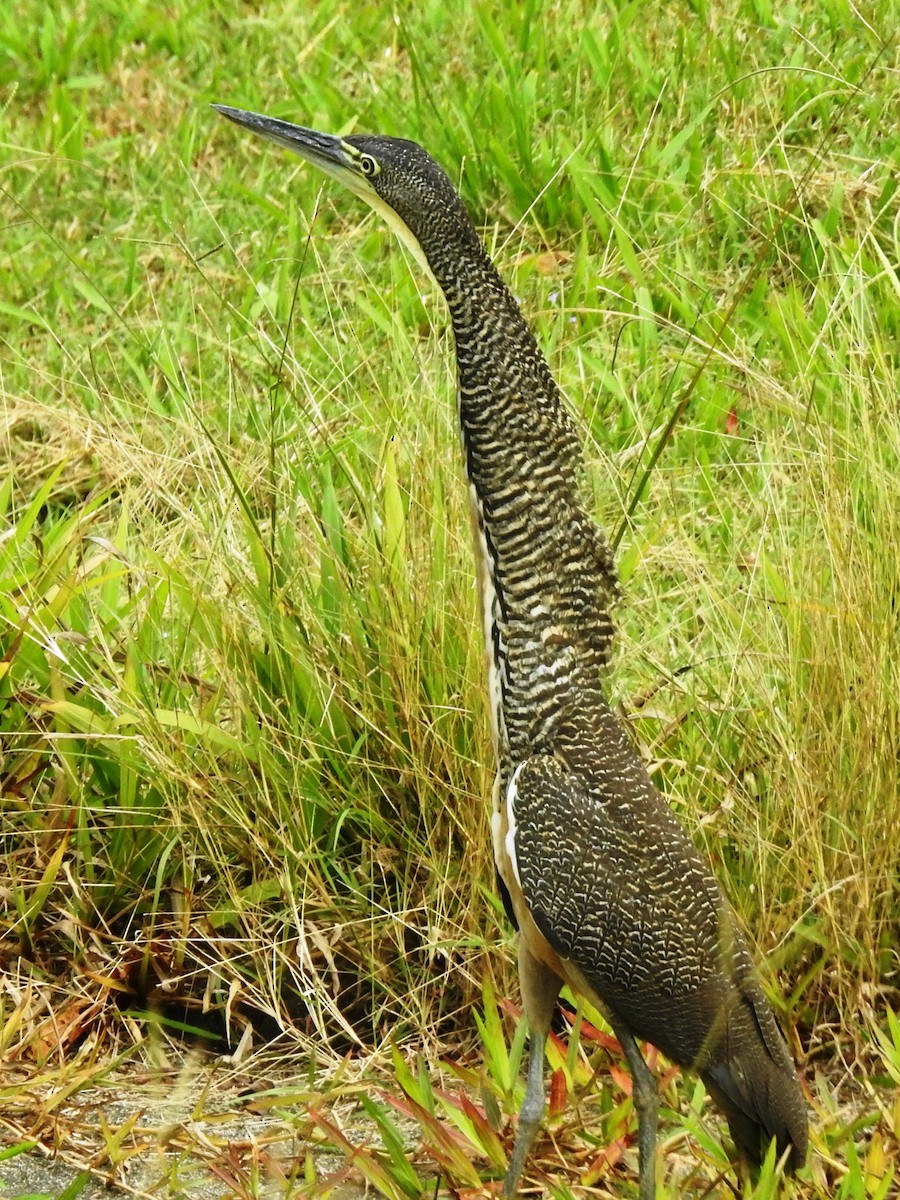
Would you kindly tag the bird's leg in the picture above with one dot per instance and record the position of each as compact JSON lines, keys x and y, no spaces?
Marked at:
{"x":645,"y":1095}
{"x":540,"y":987}
{"x":529,"y":1114}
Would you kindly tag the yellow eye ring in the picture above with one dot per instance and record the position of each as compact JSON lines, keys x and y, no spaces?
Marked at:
{"x":368,"y":165}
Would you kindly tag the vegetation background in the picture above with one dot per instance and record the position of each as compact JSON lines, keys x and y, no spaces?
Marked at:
{"x":244,"y":755}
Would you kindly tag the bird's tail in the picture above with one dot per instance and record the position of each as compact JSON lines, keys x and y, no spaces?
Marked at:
{"x":752,"y":1080}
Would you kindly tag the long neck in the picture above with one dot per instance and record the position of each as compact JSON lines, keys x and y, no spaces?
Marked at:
{"x":545,"y":570}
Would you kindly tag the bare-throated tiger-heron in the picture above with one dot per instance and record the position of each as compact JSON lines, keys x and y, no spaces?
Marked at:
{"x":608,"y":893}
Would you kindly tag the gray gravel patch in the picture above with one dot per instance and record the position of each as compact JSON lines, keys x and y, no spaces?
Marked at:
{"x":146,"y":1139}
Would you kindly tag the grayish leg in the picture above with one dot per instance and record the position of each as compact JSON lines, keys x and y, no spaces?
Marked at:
{"x":540,"y":987}
{"x":645,"y":1094}
{"x":529,"y":1114}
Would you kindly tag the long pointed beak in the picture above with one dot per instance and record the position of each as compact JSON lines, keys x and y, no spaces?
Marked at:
{"x":334,"y":157}
{"x":325,"y":151}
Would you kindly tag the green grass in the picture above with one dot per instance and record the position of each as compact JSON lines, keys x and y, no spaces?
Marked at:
{"x":243,"y":741}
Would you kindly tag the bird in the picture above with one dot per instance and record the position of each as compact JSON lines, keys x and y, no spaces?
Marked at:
{"x":608,"y":893}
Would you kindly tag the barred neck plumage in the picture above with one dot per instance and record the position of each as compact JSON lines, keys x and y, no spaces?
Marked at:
{"x":545,"y":570}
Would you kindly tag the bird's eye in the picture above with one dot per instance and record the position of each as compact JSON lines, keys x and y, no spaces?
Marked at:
{"x":368,"y":165}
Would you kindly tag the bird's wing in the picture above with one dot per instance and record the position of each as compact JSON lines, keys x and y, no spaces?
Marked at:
{"x":615,"y":886}
{"x":623,"y":907}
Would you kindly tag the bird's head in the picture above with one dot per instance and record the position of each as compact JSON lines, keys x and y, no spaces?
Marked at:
{"x":396,"y":177}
